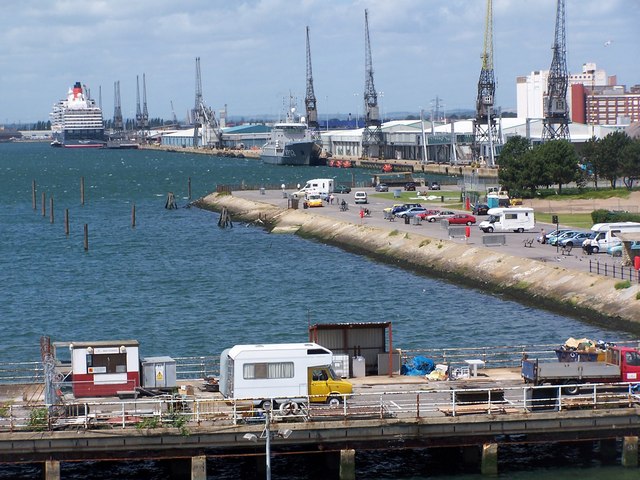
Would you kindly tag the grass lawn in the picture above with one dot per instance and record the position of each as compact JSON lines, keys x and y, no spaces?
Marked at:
{"x":577,"y":220}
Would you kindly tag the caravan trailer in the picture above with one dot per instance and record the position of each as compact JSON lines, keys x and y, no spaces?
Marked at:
{"x":514,"y":219}
{"x":285,"y":373}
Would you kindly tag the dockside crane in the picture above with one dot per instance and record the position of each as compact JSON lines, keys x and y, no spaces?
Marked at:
{"x":138,"y":109}
{"x":145,"y":111}
{"x":118,"y":123}
{"x":556,"y":110}
{"x":204,"y":118}
{"x":484,"y":125}
{"x":173,"y":113}
{"x":372,"y":138}
{"x":310,"y":97}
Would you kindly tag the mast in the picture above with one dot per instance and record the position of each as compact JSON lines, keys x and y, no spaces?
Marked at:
{"x":197,"y":118}
{"x":372,"y":139}
{"x":310,"y":98}
{"x":556,"y":110}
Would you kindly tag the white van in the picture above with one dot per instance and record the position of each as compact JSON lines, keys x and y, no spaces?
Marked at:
{"x":605,"y":235}
{"x":516,"y":219}
{"x":360,"y":197}
{"x":318,"y":186}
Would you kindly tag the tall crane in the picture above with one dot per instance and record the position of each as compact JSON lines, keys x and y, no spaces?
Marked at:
{"x":173,"y":113}
{"x":484,"y":125}
{"x":204,"y":118}
{"x":145,"y":112}
{"x":556,"y":110}
{"x":118,"y":124}
{"x":138,"y":109}
{"x":372,"y":139}
{"x":310,"y":98}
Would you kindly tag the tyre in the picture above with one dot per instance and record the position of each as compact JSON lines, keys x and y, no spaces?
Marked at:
{"x":469,"y":224}
{"x":489,"y":229}
{"x":595,"y":249}
{"x":334,"y":401}
{"x":432,"y":220}
{"x":570,"y":389}
{"x":521,"y":230}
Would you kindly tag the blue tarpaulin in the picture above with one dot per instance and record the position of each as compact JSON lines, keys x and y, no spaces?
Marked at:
{"x":419,"y":366}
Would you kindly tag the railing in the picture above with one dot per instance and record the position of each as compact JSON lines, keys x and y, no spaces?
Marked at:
{"x":181,"y":412}
{"x":616,"y":271}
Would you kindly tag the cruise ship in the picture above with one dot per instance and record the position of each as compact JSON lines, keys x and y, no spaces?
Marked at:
{"x":77,"y":121}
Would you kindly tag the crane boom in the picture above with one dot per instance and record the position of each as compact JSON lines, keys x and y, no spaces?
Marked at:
{"x":310,"y":97}
{"x":372,"y":139}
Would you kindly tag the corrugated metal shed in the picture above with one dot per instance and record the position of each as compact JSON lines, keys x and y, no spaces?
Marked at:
{"x":366,"y":339}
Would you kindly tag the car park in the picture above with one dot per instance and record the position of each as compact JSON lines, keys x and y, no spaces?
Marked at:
{"x":574,"y":240}
{"x":410,"y":186}
{"x":440,"y":215}
{"x":382,"y":187}
{"x":411,"y":212}
{"x":342,"y":189}
{"x":480,"y":209}
{"x":461,"y":219}
{"x":360,"y":197}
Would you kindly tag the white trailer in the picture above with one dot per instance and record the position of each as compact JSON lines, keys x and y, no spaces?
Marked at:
{"x":605,"y":235}
{"x":513,"y":219}
{"x":284,"y":373}
{"x":318,"y":186}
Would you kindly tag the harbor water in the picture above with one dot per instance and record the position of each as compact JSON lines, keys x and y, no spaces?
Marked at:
{"x":181,"y":286}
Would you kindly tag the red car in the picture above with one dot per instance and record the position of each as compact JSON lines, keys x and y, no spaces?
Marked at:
{"x":462,"y":219}
{"x":424,"y":215}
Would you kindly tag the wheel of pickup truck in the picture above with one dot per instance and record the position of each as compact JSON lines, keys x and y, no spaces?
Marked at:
{"x":571,"y":388}
{"x":595,"y":249}
{"x":334,"y":401}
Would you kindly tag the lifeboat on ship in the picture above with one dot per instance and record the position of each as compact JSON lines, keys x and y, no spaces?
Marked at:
{"x":346,"y":164}
{"x":331,"y":163}
{"x":387,"y":167}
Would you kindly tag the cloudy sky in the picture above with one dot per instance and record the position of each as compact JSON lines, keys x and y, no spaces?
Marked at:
{"x":253,"y":51}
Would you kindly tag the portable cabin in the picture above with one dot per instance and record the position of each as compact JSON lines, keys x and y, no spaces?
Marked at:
{"x":104,"y":368}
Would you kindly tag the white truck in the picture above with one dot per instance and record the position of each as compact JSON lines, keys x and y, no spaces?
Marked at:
{"x":605,"y":235}
{"x":516,"y":219}
{"x":318,"y":186}
{"x":284,"y":375}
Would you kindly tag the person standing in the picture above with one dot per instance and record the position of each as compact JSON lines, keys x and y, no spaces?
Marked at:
{"x":543,"y":237}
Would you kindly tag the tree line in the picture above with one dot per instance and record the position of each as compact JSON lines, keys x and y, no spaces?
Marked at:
{"x":524,"y":168}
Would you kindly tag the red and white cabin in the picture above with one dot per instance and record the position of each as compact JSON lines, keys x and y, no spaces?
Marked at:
{"x":104,"y":368}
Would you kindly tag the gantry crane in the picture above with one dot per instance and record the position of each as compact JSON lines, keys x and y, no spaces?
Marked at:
{"x":556,"y":110}
{"x":310,"y":98}
{"x":484,"y":125}
{"x":372,"y":138}
{"x":118,"y":124}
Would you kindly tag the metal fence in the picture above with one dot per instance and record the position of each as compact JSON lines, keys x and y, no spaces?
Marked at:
{"x":616,"y":271}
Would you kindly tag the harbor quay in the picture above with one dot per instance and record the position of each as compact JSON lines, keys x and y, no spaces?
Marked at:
{"x":501,"y":263}
{"x":475,"y":415}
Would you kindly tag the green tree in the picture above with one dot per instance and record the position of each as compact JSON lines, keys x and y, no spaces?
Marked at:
{"x":534,"y":171}
{"x":512,"y":161}
{"x":590,"y":152}
{"x":560,"y":162}
{"x":630,"y":164}
{"x":610,"y":155}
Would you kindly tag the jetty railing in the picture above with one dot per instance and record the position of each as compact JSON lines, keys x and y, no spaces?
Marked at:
{"x":616,"y":271}
{"x":184,"y":411}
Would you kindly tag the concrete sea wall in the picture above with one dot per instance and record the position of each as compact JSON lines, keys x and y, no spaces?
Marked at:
{"x":586,"y":295}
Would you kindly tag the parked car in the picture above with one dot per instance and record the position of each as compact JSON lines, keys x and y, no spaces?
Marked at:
{"x":342,"y":189}
{"x":553,"y":233}
{"x":426,"y":213}
{"x":616,"y":250}
{"x":554,"y":239}
{"x":404,"y":206}
{"x":390,"y":209}
{"x":314,"y":200}
{"x":574,"y":240}
{"x":462,"y":219}
{"x":411,"y":212}
{"x":382,"y":187}
{"x":480,"y":209}
{"x":410,"y":186}
{"x":434,"y":186}
{"x":360,"y":197}
{"x":440,"y":215}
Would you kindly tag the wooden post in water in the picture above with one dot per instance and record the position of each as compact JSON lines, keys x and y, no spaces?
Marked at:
{"x":86,"y":237}
{"x":171,"y":201}
{"x":51,"y":209}
{"x":33,"y":195}
{"x":189,"y":189}
{"x":81,"y":190}
{"x":44,"y":206}
{"x":133,"y":216}
{"x":66,"y":222}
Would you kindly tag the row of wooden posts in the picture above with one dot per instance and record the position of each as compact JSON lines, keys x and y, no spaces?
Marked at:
{"x":171,"y":204}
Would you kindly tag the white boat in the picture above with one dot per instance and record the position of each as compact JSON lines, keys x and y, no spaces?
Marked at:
{"x":291,"y":143}
{"x":77,"y":121}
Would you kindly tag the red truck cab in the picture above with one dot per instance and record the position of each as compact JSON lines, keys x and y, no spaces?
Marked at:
{"x":628,"y":359}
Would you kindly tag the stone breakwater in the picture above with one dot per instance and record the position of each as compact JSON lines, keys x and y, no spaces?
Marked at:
{"x":551,"y":286}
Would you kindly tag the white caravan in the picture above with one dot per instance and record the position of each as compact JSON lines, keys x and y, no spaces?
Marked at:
{"x":284,"y":373}
{"x":605,"y":235}
{"x":319,"y":186}
{"x":516,"y":219}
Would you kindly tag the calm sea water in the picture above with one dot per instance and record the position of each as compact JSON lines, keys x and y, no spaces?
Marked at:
{"x":182,"y":286}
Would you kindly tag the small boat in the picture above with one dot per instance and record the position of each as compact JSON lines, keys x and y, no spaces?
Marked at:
{"x":387,"y":167}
